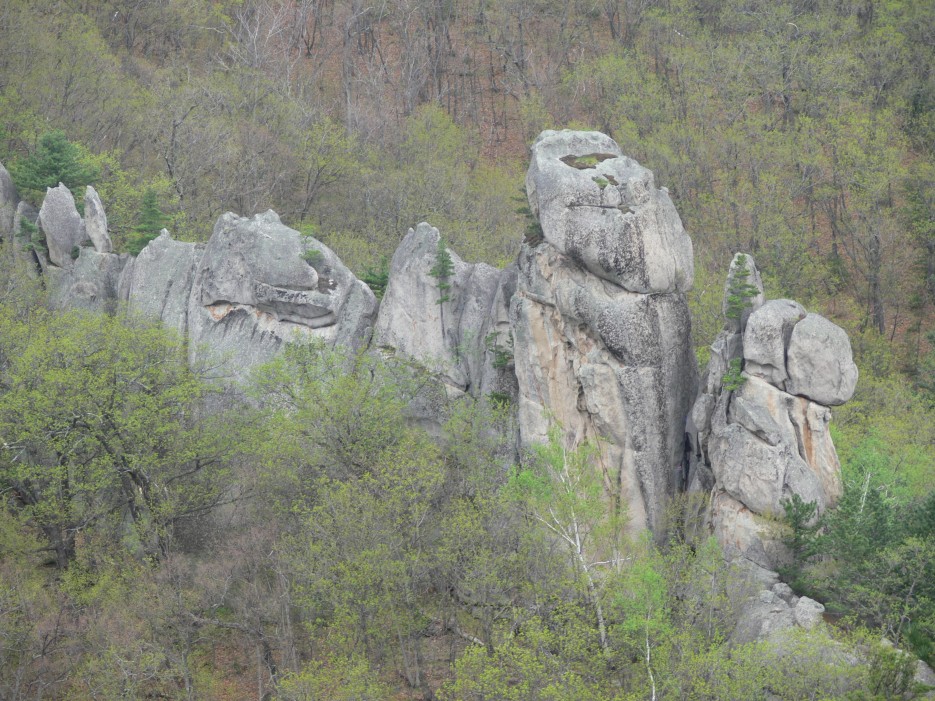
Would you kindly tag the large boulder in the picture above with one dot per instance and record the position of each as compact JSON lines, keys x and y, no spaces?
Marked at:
{"x":819,"y":362}
{"x":603,"y":210}
{"x":62,"y":226}
{"x":8,"y":201}
{"x":260,"y":284}
{"x":766,"y":338}
{"x":441,"y":327}
{"x":158,"y":283}
{"x":95,"y":222}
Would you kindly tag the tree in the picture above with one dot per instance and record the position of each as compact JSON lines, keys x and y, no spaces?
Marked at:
{"x":105,"y":431}
{"x":150,"y":221}
{"x":56,"y":160}
{"x":564,"y":492}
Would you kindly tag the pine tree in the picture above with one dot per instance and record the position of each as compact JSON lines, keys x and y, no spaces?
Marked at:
{"x":57,"y":160}
{"x":740,"y":291}
{"x":150,"y":221}
{"x":442,"y":271}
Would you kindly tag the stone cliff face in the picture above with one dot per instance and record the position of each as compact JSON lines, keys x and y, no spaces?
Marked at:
{"x":256,"y":284}
{"x":589,"y":331}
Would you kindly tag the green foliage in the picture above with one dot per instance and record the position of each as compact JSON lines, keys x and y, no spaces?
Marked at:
{"x":100,"y":412}
{"x":149,"y":222}
{"x":313,"y":257}
{"x":339,"y":678}
{"x":740,"y":291}
{"x":55,"y":160}
{"x":378,"y":278}
{"x":733,"y":379}
{"x":36,"y":241}
{"x":442,"y":271}
{"x":502,"y":355}
{"x":801,"y":535}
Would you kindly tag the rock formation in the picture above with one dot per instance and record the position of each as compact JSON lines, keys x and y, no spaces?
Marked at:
{"x":759,"y":427}
{"x":8,"y":201}
{"x":255,"y":285}
{"x":259,"y":284}
{"x":590,"y":330}
{"x":95,"y":222}
{"x":455,"y":329}
{"x":601,"y":325}
{"x":62,"y":226}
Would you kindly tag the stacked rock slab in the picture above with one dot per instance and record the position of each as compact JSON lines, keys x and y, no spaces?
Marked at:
{"x":260,"y":285}
{"x":454,"y":325}
{"x":601,"y":325}
{"x":759,"y":429}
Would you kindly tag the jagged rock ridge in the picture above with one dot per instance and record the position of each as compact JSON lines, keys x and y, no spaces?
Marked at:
{"x":589,"y":330}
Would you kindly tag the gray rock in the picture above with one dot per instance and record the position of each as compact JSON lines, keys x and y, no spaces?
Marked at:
{"x":819,"y":362}
{"x":727,"y":346}
{"x":95,"y":221}
{"x":258,"y":285}
{"x":90,"y":283}
{"x":61,"y":224}
{"x":603,"y":211}
{"x":784,"y":592}
{"x":925,"y":676}
{"x":444,"y":337}
{"x":750,"y":470}
{"x":762,"y":617}
{"x":808,"y":613}
{"x":608,"y":365}
{"x":744,"y":537}
{"x":733,"y":283}
{"x":766,"y":338}
{"x":8,"y":201}
{"x":158,"y":284}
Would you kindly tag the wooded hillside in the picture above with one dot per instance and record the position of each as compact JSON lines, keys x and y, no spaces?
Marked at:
{"x":164,"y":537}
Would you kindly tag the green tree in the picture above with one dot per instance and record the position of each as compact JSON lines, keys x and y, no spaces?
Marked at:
{"x":564,"y":492}
{"x":801,"y":535}
{"x":150,"y":221}
{"x":104,"y":431}
{"x":56,"y":160}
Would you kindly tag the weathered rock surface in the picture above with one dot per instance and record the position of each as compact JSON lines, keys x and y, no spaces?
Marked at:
{"x":61,"y":224}
{"x":772,"y":612}
{"x":8,"y":201}
{"x":95,"y":222}
{"x":258,"y":286}
{"x":756,"y":445}
{"x":158,"y":283}
{"x":742,"y":274}
{"x":766,"y":338}
{"x":447,"y":337}
{"x":603,"y":210}
{"x":593,"y":353}
{"x":90,"y":283}
{"x":820,"y":363}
